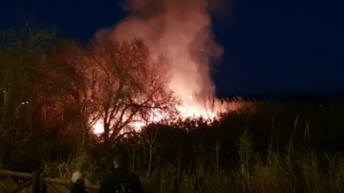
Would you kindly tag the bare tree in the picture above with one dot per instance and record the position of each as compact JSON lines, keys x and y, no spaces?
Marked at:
{"x":63,"y":77}
{"x":68,"y":89}
{"x":20,"y":55}
{"x":20,"y":52}
{"x":129,"y":84}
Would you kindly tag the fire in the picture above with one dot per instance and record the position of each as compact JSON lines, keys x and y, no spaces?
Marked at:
{"x":189,"y":109}
{"x":98,"y":127}
{"x":181,"y":31}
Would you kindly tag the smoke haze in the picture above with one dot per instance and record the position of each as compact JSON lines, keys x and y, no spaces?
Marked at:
{"x":179,"y":29}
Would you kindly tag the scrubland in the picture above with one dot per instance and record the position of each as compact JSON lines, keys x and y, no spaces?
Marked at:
{"x":278,"y":148}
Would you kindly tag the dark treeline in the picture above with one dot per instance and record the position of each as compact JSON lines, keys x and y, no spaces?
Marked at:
{"x":299,"y":98}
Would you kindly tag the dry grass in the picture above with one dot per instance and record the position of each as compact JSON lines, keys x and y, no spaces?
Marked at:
{"x":270,"y":172}
{"x":64,"y":170}
{"x":254,"y":174}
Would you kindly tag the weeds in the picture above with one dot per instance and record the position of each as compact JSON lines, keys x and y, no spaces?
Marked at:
{"x":255,"y":173}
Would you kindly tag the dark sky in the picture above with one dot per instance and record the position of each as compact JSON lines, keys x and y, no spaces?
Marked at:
{"x":270,"y":46}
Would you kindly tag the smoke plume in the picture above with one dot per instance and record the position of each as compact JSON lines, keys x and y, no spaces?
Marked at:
{"x":179,"y":29}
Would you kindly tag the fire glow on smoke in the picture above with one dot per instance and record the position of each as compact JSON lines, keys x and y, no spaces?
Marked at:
{"x":181,"y":30}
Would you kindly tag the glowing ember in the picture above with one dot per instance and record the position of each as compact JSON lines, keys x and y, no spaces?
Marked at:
{"x":98,"y":127}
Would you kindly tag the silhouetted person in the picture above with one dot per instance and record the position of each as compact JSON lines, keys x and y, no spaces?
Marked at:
{"x":121,"y":179}
{"x":78,"y":180}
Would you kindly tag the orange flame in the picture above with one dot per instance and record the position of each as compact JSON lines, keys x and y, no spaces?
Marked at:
{"x":189,"y":109}
{"x":181,"y":31}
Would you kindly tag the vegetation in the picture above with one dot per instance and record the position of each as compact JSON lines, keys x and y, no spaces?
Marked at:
{"x":45,"y":105}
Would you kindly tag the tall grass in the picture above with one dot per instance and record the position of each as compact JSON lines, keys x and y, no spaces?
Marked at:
{"x":194,"y":164}
{"x":287,"y":173}
{"x":255,"y":173}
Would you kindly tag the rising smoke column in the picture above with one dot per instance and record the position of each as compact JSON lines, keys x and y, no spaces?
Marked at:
{"x":179,"y":29}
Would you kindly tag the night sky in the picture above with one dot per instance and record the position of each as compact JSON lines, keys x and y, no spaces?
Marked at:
{"x":269,"y":45}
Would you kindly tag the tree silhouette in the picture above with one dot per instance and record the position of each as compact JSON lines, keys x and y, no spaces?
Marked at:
{"x":129,"y":84}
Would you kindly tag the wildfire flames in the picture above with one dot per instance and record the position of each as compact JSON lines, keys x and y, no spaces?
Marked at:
{"x":187,"y":110}
{"x":181,"y":30}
